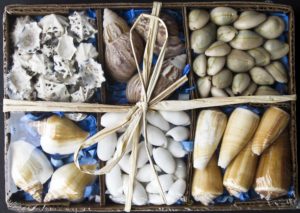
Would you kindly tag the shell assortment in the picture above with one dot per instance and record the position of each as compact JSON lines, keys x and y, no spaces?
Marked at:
{"x":246,"y":144}
{"x":238,"y":43}
{"x":53,"y":60}
{"x":166,"y":131}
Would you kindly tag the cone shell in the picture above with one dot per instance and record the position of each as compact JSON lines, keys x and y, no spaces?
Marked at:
{"x":59,"y":135}
{"x":240,"y":129}
{"x":240,"y":173}
{"x":69,"y":183}
{"x":207,"y":183}
{"x":273,"y":122}
{"x":273,"y":176}
{"x":30,"y":168}
{"x":209,"y":131}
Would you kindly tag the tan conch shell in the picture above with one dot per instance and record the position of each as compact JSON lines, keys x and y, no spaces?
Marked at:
{"x":118,"y":54}
{"x":30,"y":168}
{"x":241,"y":127}
{"x":59,"y":135}
{"x":274,"y":173}
{"x":207,"y":183}
{"x":69,"y":183}
{"x":240,"y":173}
{"x":273,"y":122}
{"x":171,"y":71}
{"x":209,"y":131}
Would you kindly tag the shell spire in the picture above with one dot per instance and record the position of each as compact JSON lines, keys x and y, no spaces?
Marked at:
{"x":59,"y":135}
{"x":273,"y":122}
{"x":209,"y":131}
{"x":240,"y":129}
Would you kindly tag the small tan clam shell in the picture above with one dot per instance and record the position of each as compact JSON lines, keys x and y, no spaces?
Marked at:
{"x":215,"y":65}
{"x":250,"y":90}
{"x":261,"y":77}
{"x":216,"y":92}
{"x":198,"y":19}
{"x":219,"y":48}
{"x":226,"y":33}
{"x":278,"y":72}
{"x":199,"y":65}
{"x":222,"y":79}
{"x":266,"y":90}
{"x":261,"y":56}
{"x":239,"y":61}
{"x":246,"y":40}
{"x":223,"y":15}
{"x":249,"y":19}
{"x":204,"y":86}
{"x":272,"y":28}
{"x":240,"y":83}
{"x":276,"y":48}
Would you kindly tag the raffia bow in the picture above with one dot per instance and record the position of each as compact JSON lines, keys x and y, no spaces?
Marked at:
{"x":136,"y":115}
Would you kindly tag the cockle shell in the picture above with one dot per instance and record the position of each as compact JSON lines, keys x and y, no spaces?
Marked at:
{"x":260,"y":55}
{"x":84,"y":52}
{"x":278,"y":72}
{"x":272,"y":28}
{"x":246,"y":40}
{"x":30,"y":168}
{"x":29,"y":38}
{"x":274,"y":172}
{"x":53,"y":26}
{"x":166,"y":180}
{"x":218,"y":48}
{"x":180,"y":171}
{"x":240,"y":173}
{"x":226,"y":33}
{"x":118,"y":54}
{"x":107,"y":146}
{"x":19,"y":84}
{"x":157,"y":120}
{"x":113,"y":181}
{"x":223,"y":15}
{"x":69,"y":183}
{"x":215,"y":65}
{"x":202,"y":38}
{"x":179,"y":133}
{"x":81,"y":26}
{"x":51,"y":91}
{"x":266,"y":90}
{"x":209,"y":131}
{"x":139,"y":195}
{"x":240,"y":128}
{"x":204,"y":86}
{"x":272,"y":124}
{"x":164,"y":160}
{"x":171,"y":71}
{"x":199,"y":65}
{"x":178,"y":118}
{"x":207,"y":183}
{"x":239,"y":61}
{"x":276,"y":48}
{"x":66,"y":48}
{"x":155,"y":136}
{"x":145,"y":173}
{"x":249,"y":19}
{"x":198,"y":19}
{"x":176,"y":149}
{"x":60,"y":135}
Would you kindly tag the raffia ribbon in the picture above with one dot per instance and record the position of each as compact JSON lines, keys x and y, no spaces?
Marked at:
{"x":136,"y":115}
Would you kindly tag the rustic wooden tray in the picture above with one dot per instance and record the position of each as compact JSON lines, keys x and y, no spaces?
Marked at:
{"x":12,"y":11}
